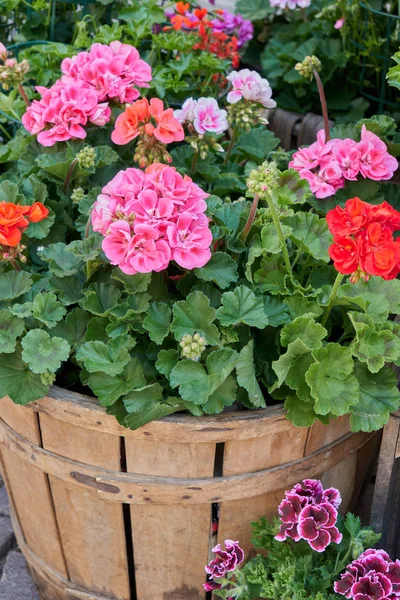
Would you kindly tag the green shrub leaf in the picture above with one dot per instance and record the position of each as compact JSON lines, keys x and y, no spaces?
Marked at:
{"x":195,"y":315}
{"x":158,"y":321}
{"x":108,"y":389}
{"x":13,"y":284}
{"x":11,"y":328}
{"x":18,"y":381}
{"x":242,"y":306}
{"x":110,"y":358}
{"x":221,"y":269}
{"x":43,"y":353}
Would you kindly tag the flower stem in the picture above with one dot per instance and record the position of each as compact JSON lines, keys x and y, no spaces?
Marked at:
{"x":194,"y":161}
{"x":332,"y":298}
{"x":5,"y":132}
{"x":250,"y":220}
{"x":69,"y":175}
{"x":231,"y":145}
{"x":278,"y":229}
{"x":23,"y":94}
{"x":14,"y":263}
{"x":324,"y":106}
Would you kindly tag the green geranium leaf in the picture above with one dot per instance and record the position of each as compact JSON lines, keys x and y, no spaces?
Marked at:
{"x":96,"y":330}
{"x":108,"y":389}
{"x":110,"y":358}
{"x":242,"y":306}
{"x":9,"y":192}
{"x":192,"y":379}
{"x":379,"y":396}
{"x":224,"y":395}
{"x":311,"y":233}
{"x":55,"y":165}
{"x":146,"y":404}
{"x":43,"y":353}
{"x":100,"y":298}
{"x":166,"y":361}
{"x":255,"y":250}
{"x":305,"y":329}
{"x":277,"y":312}
{"x":291,"y":369}
{"x":270,"y":240}
{"x":195,"y":315}
{"x":13,"y":284}
{"x":221,"y":269}
{"x":62,"y":262}
{"x":377,"y":297}
{"x":158,"y":321}
{"x":73,"y":328}
{"x":298,"y":306}
{"x":301,"y":414}
{"x":11,"y":328}
{"x":47,"y":309}
{"x":220,"y":364}
{"x":69,"y":289}
{"x":18,"y":381}
{"x":257,"y":143}
{"x":133,"y":283}
{"x":246,"y":375}
{"x":271,"y":276}
{"x":333,"y":385}
{"x":371,"y":346}
{"x":88,"y":249}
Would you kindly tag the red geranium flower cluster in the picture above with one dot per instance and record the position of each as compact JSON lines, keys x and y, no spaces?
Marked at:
{"x":309,"y":512}
{"x":372,"y":576}
{"x":363,"y":242}
{"x":222,"y":45}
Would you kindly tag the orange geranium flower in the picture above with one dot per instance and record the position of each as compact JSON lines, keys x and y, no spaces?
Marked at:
{"x":14,"y":219}
{"x":147,"y":118}
{"x":128,"y":123}
{"x":182,"y":7}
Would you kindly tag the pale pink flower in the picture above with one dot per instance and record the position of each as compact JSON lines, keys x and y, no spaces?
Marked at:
{"x":339,"y":23}
{"x":112,"y":71}
{"x":186,"y":113}
{"x":3,"y":52}
{"x":208,"y":117}
{"x":347,"y":154}
{"x":190,"y":243}
{"x":152,"y":209}
{"x":147,"y":252}
{"x":289,"y":4}
{"x":249,"y":85}
{"x":375,"y":161}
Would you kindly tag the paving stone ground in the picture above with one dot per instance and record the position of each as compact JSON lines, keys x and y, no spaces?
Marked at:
{"x":15,"y":580}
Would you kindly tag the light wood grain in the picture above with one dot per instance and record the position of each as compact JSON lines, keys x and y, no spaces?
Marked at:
{"x":170,"y":547}
{"x":321,"y":435}
{"x":92,"y":531}
{"x":29,"y":488}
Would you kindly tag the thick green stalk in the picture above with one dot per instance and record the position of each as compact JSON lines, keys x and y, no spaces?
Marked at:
{"x":332,"y":297}
{"x":278,"y":229}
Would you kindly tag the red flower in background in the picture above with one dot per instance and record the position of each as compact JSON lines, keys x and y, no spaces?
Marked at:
{"x":363,"y":242}
{"x":14,"y":219}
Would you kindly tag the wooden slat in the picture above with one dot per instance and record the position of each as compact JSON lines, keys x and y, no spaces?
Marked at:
{"x":29,"y":489}
{"x":251,"y":456}
{"x":128,"y":488}
{"x":321,"y":435}
{"x":86,"y":412}
{"x":170,"y":545}
{"x":92,"y":531}
{"x":343,"y":476}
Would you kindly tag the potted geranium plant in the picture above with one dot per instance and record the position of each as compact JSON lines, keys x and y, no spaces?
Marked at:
{"x":141,"y":286}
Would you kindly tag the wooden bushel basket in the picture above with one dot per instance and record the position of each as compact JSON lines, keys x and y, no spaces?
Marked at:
{"x":102,"y":512}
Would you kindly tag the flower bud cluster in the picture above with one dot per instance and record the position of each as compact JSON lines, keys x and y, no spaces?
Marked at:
{"x":228,"y":335}
{"x":203,"y":145}
{"x":307,"y":66}
{"x":86,"y":157}
{"x":77,"y":195}
{"x":12,"y":73}
{"x":13,"y":253}
{"x":246,"y":115}
{"x":47,"y":378}
{"x":192,"y":346}
{"x":149,"y":150}
{"x":263,"y":179}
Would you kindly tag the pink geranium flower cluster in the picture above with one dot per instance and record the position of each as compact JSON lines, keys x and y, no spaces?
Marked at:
{"x":112,"y":71}
{"x":372,"y":576}
{"x":328,"y":165}
{"x":289,"y":4}
{"x":309,"y":512}
{"x":149,"y":218}
{"x":204,"y":114}
{"x":249,"y":85}
{"x":225,"y":562}
{"x":63,"y":111}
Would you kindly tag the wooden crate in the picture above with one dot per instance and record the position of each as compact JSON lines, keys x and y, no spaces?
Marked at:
{"x":385,"y":513}
{"x":105,"y":513}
